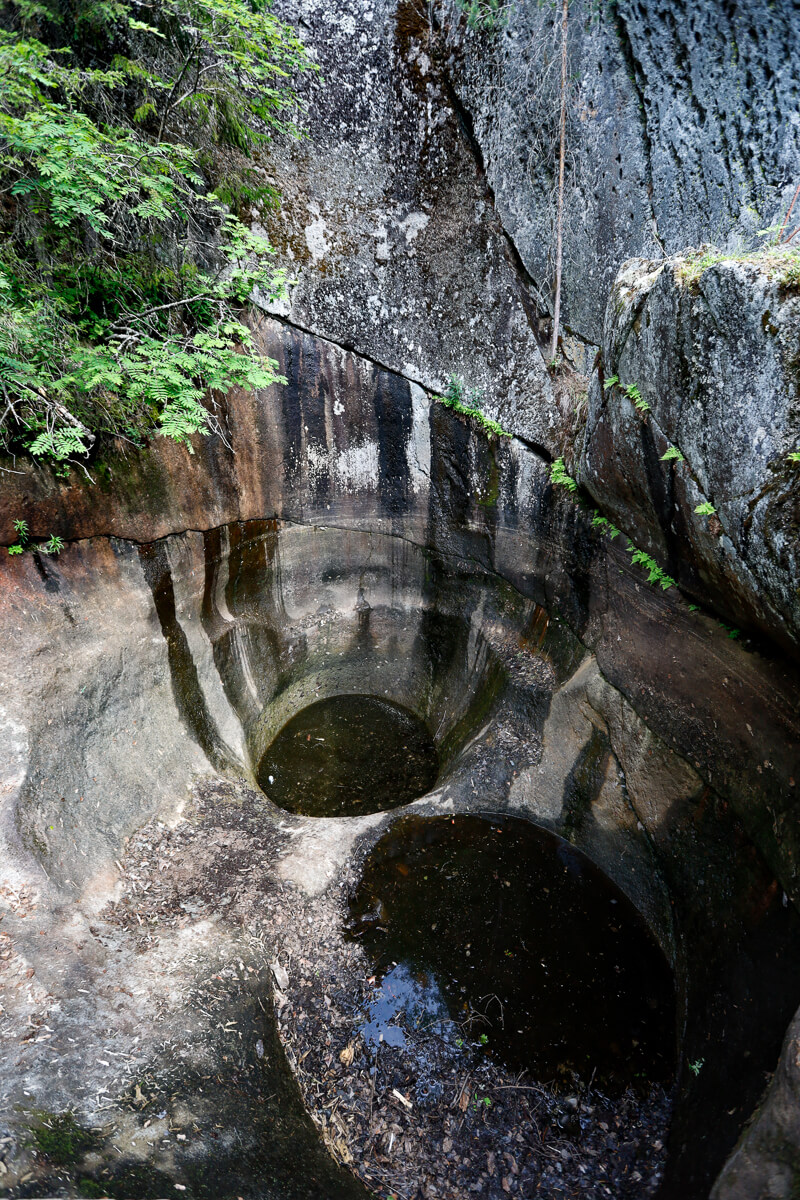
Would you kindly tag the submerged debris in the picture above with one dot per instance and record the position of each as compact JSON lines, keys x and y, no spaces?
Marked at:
{"x":429,"y":1113}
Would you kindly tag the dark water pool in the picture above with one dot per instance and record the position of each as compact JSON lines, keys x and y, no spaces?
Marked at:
{"x":536,"y":953}
{"x":347,"y":756}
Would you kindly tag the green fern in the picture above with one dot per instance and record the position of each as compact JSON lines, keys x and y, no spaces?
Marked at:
{"x":706,"y":509}
{"x":635,"y":396}
{"x":603,"y":523}
{"x":673,"y":454}
{"x":559,"y":476}
{"x":655,"y":573}
{"x":631,"y":390}
{"x":456,"y":397}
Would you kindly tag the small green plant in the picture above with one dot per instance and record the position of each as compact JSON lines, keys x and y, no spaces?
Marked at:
{"x":603,"y":523}
{"x":487,"y":15}
{"x":458,"y":393}
{"x":53,"y":545}
{"x":457,"y":397}
{"x":636,"y":397}
{"x":672,"y":455}
{"x":655,"y":573}
{"x":631,"y":390}
{"x":21,"y":528}
{"x":483,"y":1039}
{"x":559,"y":476}
{"x":706,"y":509}
{"x":731,"y":631}
{"x":794,"y":456}
{"x":694,"y":607}
{"x":697,"y":1066}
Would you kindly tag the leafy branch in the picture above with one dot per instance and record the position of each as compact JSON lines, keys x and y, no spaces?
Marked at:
{"x":121,"y":275}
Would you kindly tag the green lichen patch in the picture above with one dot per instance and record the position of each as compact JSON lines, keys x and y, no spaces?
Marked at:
{"x":61,"y":1138}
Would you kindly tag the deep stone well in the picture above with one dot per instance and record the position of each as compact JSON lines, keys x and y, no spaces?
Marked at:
{"x":451,"y":579}
{"x":359,"y":537}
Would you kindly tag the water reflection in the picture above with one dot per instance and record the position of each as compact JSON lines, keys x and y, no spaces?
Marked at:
{"x":532,"y":950}
{"x":414,"y":997}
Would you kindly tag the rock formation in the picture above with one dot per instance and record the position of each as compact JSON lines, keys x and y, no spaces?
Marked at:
{"x":349,"y":532}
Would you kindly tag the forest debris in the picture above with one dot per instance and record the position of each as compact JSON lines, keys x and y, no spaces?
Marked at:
{"x":281,"y":975}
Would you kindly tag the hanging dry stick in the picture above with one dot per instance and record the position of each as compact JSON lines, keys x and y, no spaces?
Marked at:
{"x":786,"y":218}
{"x":561,"y":154}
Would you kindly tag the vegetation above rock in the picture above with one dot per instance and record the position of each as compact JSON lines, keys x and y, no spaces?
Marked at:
{"x":778,"y":261}
{"x":457,"y":397}
{"x":121,"y":272}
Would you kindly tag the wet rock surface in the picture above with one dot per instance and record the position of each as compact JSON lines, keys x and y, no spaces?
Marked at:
{"x":266,"y":618}
{"x":203,"y":600}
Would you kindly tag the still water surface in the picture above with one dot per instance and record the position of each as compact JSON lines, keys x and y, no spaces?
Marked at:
{"x":525,"y":940}
{"x":347,"y":756}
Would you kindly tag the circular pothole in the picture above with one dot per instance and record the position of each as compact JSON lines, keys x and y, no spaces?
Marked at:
{"x":347,"y":756}
{"x":524,"y":942}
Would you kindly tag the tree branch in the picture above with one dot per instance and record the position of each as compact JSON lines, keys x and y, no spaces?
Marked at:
{"x":561,"y":155}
